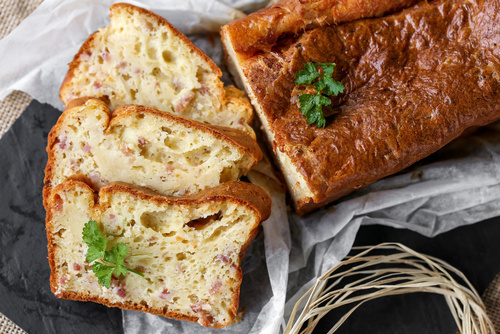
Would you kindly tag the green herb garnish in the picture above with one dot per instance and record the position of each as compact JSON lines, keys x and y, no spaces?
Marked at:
{"x":97,"y":249}
{"x":311,"y":105}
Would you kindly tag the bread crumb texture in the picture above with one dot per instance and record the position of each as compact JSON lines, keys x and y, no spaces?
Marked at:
{"x":140,"y":58}
{"x":188,"y":250}
{"x":140,"y":146}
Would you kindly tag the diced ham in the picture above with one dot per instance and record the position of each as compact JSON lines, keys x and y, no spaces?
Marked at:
{"x":165,"y":294}
{"x":63,"y":279}
{"x":205,"y":318}
{"x":142,"y":141}
{"x":126,"y":150}
{"x":122,"y":64}
{"x":177,"y":84}
{"x":197,"y":307}
{"x":62,"y":142}
{"x":106,"y":56}
{"x":169,"y":168}
{"x":86,"y":55}
{"x":77,"y":267}
{"x":215,"y":287}
{"x":73,"y":165}
{"x":232,"y":269}
{"x":120,"y":285}
{"x":121,"y":292}
{"x":58,"y":203}
{"x":222,"y":258}
{"x":86,"y":148}
{"x":97,"y":85}
{"x":116,"y":283}
{"x":204,"y":88}
{"x":184,"y":101}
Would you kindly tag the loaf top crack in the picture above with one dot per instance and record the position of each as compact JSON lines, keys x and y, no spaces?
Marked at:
{"x":142,"y":146}
{"x":140,"y":58}
{"x":188,"y":249}
{"x":415,"y":80}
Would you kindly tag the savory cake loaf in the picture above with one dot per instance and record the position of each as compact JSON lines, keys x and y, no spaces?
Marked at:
{"x":414,"y":80}
{"x":188,"y":249}
{"x":140,"y":58}
{"x":142,"y":146}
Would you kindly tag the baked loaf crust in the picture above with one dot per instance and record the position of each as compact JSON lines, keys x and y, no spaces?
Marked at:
{"x":142,"y":146}
{"x":414,"y":81}
{"x":189,"y":249}
{"x":261,"y":30}
{"x":140,"y":58}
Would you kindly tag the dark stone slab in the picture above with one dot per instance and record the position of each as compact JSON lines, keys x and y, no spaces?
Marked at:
{"x":25,"y":295}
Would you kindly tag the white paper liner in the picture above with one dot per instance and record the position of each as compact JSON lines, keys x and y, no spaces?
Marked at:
{"x":459,"y":185}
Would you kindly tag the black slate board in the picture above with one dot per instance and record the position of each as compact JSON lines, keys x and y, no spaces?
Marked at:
{"x":25,"y":295}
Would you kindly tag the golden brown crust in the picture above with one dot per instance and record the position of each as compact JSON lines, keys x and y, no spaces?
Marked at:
{"x":240,"y":193}
{"x":52,"y":141}
{"x":85,"y":48}
{"x":88,"y":46}
{"x":261,"y":30}
{"x":80,"y":101}
{"x":234,"y":136}
{"x":409,"y":91}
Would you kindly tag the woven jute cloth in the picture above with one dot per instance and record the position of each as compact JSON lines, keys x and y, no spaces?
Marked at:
{"x":12,"y":12}
{"x":491,"y":300}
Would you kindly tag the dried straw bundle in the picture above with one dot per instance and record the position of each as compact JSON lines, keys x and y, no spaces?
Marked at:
{"x":402,"y":271}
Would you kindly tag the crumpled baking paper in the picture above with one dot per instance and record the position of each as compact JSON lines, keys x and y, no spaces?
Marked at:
{"x":459,"y":185}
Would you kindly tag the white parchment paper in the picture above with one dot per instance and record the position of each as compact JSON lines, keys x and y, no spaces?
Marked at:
{"x":458,"y":185}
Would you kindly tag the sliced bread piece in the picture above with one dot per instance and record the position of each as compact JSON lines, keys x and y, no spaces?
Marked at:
{"x":188,"y":249}
{"x":140,"y":58}
{"x":142,"y":146}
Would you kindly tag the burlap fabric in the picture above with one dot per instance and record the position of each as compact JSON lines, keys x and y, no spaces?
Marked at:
{"x":491,"y":298}
{"x":12,"y":12}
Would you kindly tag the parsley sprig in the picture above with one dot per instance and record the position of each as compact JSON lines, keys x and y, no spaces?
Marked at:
{"x":97,"y":249}
{"x":311,"y":105}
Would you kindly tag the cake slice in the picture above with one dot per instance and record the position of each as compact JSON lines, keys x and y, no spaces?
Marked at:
{"x":188,"y":249}
{"x":414,"y":81}
{"x":140,"y":58}
{"x":144,"y":147}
